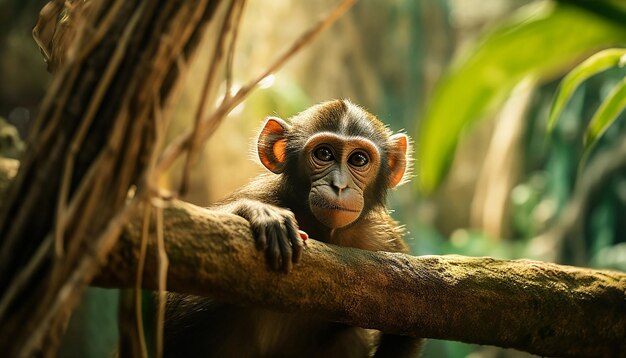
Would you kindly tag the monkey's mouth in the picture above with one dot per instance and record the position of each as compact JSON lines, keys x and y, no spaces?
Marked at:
{"x":334,"y":213}
{"x":330,"y":206}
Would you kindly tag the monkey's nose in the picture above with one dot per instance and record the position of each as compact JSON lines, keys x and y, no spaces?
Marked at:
{"x":338,"y":189}
{"x":339,"y":186}
{"x":339,"y":181}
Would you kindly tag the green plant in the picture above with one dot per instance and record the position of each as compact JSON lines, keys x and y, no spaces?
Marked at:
{"x":541,"y":42}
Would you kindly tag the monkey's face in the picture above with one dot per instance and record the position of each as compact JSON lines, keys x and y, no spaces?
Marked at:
{"x":341,"y":169}
{"x":346,"y":154}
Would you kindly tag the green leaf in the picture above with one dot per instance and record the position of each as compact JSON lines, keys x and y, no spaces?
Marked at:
{"x":599,"y":62}
{"x":541,"y":45}
{"x":608,"y":112}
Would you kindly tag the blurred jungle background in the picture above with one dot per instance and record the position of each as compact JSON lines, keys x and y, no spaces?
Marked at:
{"x":473,"y":82}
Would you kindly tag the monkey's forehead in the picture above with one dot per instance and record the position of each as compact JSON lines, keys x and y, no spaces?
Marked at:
{"x":339,"y":141}
{"x":344,"y":118}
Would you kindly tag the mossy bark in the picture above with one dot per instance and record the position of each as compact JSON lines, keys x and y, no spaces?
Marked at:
{"x":538,"y":307}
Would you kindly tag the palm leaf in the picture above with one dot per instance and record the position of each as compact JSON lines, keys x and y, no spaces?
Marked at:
{"x":606,"y":114}
{"x":541,"y":45}
{"x":599,"y":62}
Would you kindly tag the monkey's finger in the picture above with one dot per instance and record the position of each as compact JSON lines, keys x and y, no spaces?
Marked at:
{"x":273,"y":250}
{"x":259,"y":237}
{"x":294,"y":238}
{"x":285,"y":253}
{"x":303,"y":235}
{"x":285,"y":248}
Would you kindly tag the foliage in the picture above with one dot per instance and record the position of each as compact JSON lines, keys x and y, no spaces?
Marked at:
{"x":541,"y":45}
{"x":582,"y":121}
{"x":599,"y":62}
{"x":609,"y":109}
{"x":606,"y":114}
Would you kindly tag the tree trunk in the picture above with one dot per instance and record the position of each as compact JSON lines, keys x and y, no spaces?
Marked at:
{"x":116,"y":67}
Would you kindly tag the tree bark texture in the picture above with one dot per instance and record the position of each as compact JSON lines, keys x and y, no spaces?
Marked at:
{"x":541,"y":308}
{"x":537,"y":307}
{"x":116,"y":64}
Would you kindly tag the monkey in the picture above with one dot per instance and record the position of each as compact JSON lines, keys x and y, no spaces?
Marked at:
{"x":331,"y":167}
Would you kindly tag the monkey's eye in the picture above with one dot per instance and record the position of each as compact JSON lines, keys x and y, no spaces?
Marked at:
{"x":324,"y":154}
{"x":358,"y":159}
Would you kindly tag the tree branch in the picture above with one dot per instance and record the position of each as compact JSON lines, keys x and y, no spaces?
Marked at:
{"x":537,"y":307}
{"x":541,"y":308}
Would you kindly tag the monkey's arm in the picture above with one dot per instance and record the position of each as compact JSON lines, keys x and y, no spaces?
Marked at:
{"x":275,"y":230}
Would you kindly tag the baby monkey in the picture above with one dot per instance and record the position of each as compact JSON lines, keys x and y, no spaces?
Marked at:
{"x":331,"y":165}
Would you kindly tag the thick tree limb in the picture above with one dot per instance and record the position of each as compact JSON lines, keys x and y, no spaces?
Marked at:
{"x":536,"y":307}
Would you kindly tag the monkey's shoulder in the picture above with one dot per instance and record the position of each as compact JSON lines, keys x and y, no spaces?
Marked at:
{"x":265,"y":188}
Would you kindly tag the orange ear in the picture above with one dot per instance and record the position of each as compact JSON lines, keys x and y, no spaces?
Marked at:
{"x":398,"y":159}
{"x":272,"y":144}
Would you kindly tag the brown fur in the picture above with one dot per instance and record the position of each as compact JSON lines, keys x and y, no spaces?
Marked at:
{"x":201,"y":327}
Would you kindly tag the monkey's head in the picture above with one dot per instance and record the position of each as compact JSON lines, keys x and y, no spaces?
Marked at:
{"x":335,"y":157}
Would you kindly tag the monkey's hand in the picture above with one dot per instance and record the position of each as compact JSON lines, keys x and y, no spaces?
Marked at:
{"x":275,"y":230}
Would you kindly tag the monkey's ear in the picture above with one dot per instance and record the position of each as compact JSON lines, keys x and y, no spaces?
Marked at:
{"x":398,"y":159}
{"x":272,"y":144}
